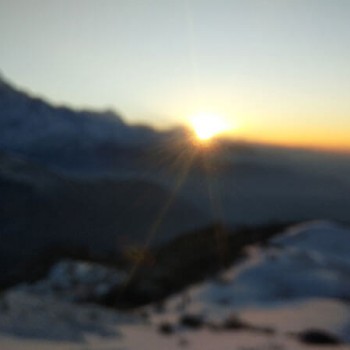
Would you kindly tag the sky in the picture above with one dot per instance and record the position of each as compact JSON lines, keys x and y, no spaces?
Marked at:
{"x":277,"y":70}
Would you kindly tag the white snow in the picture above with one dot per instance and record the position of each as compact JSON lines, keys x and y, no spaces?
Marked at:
{"x":77,"y":281}
{"x":308,"y":261}
{"x":298,"y":283}
{"x":27,"y":316}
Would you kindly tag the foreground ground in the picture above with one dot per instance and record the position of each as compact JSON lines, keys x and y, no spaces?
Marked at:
{"x":291,"y":294}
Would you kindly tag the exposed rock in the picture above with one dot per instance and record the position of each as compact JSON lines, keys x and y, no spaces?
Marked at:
{"x":166,"y":328}
{"x":318,"y":337}
{"x":233,"y":322}
{"x":192,"y":321}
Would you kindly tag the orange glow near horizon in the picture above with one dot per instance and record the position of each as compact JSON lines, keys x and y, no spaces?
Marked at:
{"x":312,"y":133}
{"x":322,"y":140}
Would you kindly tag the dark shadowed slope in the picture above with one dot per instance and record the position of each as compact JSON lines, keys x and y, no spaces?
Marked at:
{"x":40,"y":210}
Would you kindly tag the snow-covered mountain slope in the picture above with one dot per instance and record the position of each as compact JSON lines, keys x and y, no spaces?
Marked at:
{"x":311,"y":260}
{"x":300,"y":281}
{"x":79,"y":142}
{"x":75,"y":280}
{"x":31,"y":119}
{"x":31,"y":126}
{"x":29,"y":316}
{"x":239,"y":310}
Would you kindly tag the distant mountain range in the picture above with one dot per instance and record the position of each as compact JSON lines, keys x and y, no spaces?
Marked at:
{"x":62,"y":137}
{"x":88,"y":179}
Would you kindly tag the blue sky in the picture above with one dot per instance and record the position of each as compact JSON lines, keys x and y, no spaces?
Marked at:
{"x":277,"y":68}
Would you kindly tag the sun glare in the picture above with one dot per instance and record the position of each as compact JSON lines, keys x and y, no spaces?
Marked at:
{"x":207,"y":125}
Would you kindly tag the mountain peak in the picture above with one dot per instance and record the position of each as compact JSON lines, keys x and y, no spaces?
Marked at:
{"x":3,"y":80}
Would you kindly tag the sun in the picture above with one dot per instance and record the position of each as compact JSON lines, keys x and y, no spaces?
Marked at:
{"x":208,"y":125}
